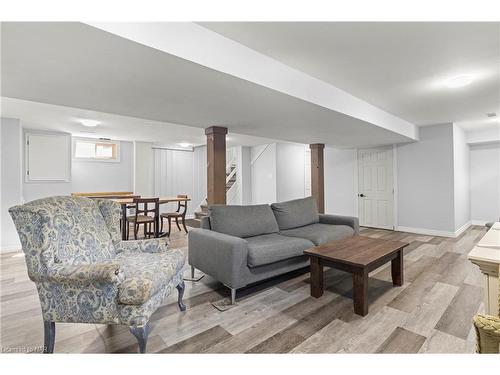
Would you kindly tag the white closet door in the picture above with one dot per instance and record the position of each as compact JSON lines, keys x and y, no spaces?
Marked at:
{"x":376,"y":187}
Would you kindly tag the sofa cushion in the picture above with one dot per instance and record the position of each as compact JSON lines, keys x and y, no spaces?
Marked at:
{"x":242,"y":221}
{"x":271,"y":248}
{"x":320,"y":233}
{"x":296,"y":213}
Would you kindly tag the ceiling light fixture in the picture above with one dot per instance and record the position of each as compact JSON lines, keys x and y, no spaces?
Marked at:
{"x":185,"y":145}
{"x":89,"y":123}
{"x":459,"y":81}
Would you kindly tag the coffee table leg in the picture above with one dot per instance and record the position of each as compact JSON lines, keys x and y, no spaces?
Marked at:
{"x":397,"y":269}
{"x":316,"y":277}
{"x":360,"y":291}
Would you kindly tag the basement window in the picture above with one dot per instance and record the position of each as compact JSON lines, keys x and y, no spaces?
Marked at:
{"x":96,"y":150}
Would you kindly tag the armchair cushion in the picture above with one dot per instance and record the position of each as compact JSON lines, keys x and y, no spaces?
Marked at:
{"x":146,"y":273}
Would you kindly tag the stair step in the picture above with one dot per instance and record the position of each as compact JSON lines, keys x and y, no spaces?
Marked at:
{"x":199,"y":214}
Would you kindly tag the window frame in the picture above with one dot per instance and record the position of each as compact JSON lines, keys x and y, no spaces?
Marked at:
{"x":95,"y":141}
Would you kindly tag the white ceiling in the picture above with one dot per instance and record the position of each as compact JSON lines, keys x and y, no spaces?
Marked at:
{"x":41,"y":116}
{"x":76,"y":65}
{"x":399,"y":67}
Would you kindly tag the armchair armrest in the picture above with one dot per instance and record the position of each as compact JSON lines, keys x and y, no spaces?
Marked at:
{"x":153,"y":245}
{"x":488,"y":333}
{"x":220,"y":255}
{"x":350,"y":221}
{"x":106,"y":272}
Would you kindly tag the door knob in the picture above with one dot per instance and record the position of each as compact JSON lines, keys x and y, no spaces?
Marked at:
{"x":361,"y":195}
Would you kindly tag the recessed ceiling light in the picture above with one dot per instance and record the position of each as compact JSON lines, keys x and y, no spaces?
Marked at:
{"x":89,"y":123}
{"x":184,"y":144}
{"x":459,"y":81}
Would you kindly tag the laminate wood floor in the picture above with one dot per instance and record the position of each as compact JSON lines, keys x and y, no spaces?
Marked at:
{"x":430,"y":313}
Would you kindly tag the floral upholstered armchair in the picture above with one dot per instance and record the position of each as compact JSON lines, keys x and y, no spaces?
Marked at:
{"x":85,"y":273}
{"x":488,"y":331}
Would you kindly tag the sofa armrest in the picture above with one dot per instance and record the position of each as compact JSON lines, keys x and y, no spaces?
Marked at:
{"x":222,"y":256}
{"x":153,"y":245}
{"x":96,"y":272}
{"x":350,"y":221}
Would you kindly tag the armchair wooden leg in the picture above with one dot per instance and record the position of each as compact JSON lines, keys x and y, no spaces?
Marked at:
{"x":141,"y":333}
{"x":180,"y":289}
{"x":49,"y":336}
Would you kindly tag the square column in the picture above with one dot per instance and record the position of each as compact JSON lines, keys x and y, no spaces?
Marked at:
{"x":216,"y":164}
{"x":318,"y":175}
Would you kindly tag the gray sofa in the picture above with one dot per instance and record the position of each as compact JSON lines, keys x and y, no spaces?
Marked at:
{"x":240,"y":245}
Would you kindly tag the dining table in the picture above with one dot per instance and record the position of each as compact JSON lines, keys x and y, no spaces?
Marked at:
{"x":126,"y":202}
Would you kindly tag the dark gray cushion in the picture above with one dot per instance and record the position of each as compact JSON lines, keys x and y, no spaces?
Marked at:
{"x":271,"y":248}
{"x":296,"y":213}
{"x":242,"y":221}
{"x":320,"y":233}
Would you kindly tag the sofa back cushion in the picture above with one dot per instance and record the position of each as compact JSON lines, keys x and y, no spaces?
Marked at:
{"x":242,"y":221}
{"x":296,"y":213}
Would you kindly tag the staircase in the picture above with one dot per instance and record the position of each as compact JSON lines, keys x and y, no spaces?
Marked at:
{"x":230,"y":188}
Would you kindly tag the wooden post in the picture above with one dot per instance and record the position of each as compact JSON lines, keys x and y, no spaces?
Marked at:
{"x":317,"y":175}
{"x":216,"y":164}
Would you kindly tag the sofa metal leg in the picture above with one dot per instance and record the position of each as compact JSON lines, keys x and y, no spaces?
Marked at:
{"x":233,"y":296}
{"x":192,"y":272}
{"x":141,"y":333}
{"x":49,"y":336}
{"x":180,"y":289}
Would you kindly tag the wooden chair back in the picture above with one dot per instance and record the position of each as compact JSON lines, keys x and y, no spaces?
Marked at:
{"x":143,"y":206}
{"x":182,"y":205}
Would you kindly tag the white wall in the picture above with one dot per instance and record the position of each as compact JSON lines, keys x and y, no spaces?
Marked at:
{"x":200,"y":176}
{"x":174,"y":174}
{"x":143,"y":169}
{"x":11,"y":150}
{"x":461,"y":174}
{"x":341,"y":181}
{"x":263,"y":169}
{"x":485,"y":182}
{"x":425,"y":181}
{"x":290,"y":171}
{"x":246,"y":175}
{"x":88,"y":176}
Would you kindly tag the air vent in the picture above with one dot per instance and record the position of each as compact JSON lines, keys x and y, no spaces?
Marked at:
{"x":492,"y":114}
{"x":105,"y":139}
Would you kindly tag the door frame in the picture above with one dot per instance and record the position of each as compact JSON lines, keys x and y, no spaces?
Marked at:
{"x":394,"y":184}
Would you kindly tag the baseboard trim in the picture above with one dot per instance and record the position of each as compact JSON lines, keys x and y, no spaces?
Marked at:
{"x":433,"y":232}
{"x":10,"y":248}
{"x":463,"y":228}
{"x":479,"y":222}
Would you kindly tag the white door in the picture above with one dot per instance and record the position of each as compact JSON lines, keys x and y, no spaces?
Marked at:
{"x":376,"y":187}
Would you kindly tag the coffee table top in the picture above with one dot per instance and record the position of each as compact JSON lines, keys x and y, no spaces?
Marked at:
{"x":356,"y":251}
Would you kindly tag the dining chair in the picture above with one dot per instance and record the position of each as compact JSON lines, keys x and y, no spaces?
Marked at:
{"x":142,"y":216}
{"x":179,"y":214}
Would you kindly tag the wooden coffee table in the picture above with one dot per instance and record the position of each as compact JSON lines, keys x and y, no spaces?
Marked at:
{"x":358,"y":255}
